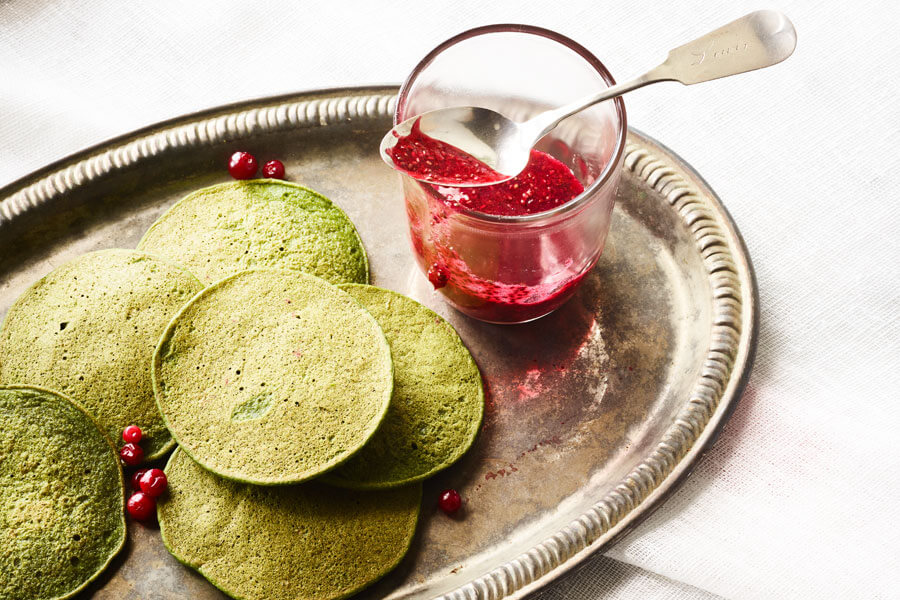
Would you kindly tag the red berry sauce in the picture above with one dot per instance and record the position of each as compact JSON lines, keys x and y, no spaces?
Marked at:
{"x":498,"y":302}
{"x":242,"y":165}
{"x":153,"y":483}
{"x":544,"y":184}
{"x":437,"y":275}
{"x":425,"y":157}
{"x":450,"y":501}
{"x":274,"y":169}
{"x":141,"y":506}
{"x":132,"y":434}
{"x":132,"y":454}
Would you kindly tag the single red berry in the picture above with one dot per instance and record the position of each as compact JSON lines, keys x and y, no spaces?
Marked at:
{"x":154,"y":483}
{"x":141,"y":506}
{"x":132,"y":434}
{"x":274,"y":169}
{"x":131,"y":454}
{"x":136,"y":479}
{"x":438,"y":275}
{"x":242,"y":165}
{"x":450,"y":501}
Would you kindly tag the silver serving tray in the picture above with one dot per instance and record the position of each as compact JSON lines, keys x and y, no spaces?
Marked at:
{"x":594,"y":414}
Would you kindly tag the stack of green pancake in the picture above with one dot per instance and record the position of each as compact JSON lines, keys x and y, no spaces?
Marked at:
{"x":286,"y":368}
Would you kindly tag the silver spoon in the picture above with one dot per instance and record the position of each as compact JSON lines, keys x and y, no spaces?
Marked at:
{"x":759,"y":39}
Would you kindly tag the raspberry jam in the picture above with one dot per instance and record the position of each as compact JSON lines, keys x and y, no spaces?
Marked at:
{"x":498,"y":302}
{"x":513,"y":251}
{"x":437,"y":275}
{"x":544,"y":184}
{"x":424,"y":157}
{"x":489,"y":277}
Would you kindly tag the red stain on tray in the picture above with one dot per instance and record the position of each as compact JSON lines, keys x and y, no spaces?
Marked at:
{"x":490,"y":407}
{"x":511,"y":468}
{"x":532,"y":386}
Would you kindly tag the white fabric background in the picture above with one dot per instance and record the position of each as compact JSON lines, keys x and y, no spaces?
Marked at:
{"x":799,"y":498}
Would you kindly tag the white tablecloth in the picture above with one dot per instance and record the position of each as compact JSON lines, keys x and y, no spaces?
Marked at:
{"x":799,"y":498}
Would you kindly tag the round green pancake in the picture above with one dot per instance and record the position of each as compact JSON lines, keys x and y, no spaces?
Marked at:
{"x":61,"y":496}
{"x":89,"y":329}
{"x":438,"y":399}
{"x":263,"y":223}
{"x":272,"y":377}
{"x":298,"y":542}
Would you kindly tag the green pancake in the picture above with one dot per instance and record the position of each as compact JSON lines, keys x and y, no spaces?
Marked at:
{"x":297,"y":542}
{"x":263,"y":223}
{"x":438,"y":399}
{"x":89,"y":329}
{"x":272,"y":377}
{"x":62,"y":516}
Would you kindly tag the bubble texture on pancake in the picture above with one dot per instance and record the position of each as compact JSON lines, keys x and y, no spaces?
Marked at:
{"x":89,"y":329}
{"x":61,"y":496}
{"x":298,"y":542}
{"x":438,"y":401}
{"x":263,"y":223}
{"x":272,"y":377}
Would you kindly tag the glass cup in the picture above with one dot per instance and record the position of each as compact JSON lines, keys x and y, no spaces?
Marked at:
{"x":513,"y":269}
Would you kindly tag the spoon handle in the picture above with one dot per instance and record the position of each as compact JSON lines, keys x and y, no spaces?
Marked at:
{"x":759,"y":39}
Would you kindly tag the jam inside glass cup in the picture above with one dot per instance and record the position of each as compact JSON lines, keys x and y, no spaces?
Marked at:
{"x":515,"y":268}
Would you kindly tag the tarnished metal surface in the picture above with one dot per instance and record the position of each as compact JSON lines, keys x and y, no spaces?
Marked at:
{"x":594,"y":413}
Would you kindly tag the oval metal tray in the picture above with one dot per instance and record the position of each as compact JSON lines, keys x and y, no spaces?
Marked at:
{"x":594,"y":413}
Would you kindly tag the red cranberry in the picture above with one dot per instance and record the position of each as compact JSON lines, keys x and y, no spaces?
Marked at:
{"x":274,"y":169}
{"x":154,"y":483}
{"x":438,"y":275}
{"x":132,"y":434}
{"x":131,"y":454}
{"x":242,"y":165}
{"x":136,"y":479}
{"x":450,"y":501}
{"x":141,"y":506}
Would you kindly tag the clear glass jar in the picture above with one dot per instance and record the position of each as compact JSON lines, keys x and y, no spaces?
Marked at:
{"x":513,"y":269}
